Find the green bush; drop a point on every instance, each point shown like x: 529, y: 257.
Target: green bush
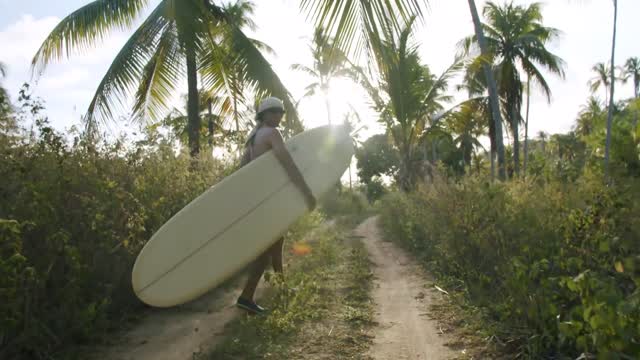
x: 374, y: 190
x: 343, y: 202
x: 73, y: 217
x: 556, y: 265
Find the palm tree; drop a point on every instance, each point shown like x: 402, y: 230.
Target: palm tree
x: 328, y: 63
x: 543, y: 137
x: 190, y: 34
x: 230, y: 81
x: 631, y: 70
x: 468, y: 124
x: 223, y: 74
x: 408, y: 96
x: 588, y: 117
x: 611, y: 95
x: 3, y: 73
x: 212, y: 125
x: 516, y: 38
x: 5, y: 106
x: 493, y: 94
x: 476, y: 87
x: 526, y: 128
x: 601, y: 78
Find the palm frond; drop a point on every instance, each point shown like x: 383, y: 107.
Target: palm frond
x: 601, y: 79
x: 160, y: 77
x: 353, y: 22
x: 361, y: 78
x: 549, y: 61
x: 86, y: 27
x: 537, y: 78
x: 258, y: 73
x: 311, y: 89
x: 344, y: 73
x: 305, y: 69
x: 441, y: 83
x: 127, y: 67
x: 263, y: 47
x: 239, y: 13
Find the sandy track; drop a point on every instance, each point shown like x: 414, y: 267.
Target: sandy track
x: 402, y: 297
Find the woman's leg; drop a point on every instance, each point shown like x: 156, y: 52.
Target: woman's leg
x: 257, y: 269
x: 276, y: 256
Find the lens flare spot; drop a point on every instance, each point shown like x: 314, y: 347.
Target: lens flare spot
x: 301, y: 249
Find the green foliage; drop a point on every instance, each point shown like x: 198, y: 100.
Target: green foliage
x: 73, y: 216
x: 207, y: 37
x: 377, y: 157
x: 330, y: 285
x: 5, y: 101
x: 407, y: 96
x: 517, y: 46
x: 556, y: 265
x: 341, y: 201
x: 469, y: 123
x: 374, y: 190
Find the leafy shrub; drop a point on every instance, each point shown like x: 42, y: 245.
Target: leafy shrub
x: 73, y: 217
x: 374, y: 190
x: 343, y: 202
x: 556, y: 265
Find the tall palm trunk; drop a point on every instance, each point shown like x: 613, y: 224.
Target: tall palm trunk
x: 515, y: 119
x: 405, y: 173
x: 434, y: 154
x: 209, y: 105
x: 613, y: 81
x: 526, y: 129
x: 237, y: 121
x: 193, y: 115
x: 493, y: 91
x: 636, y: 85
x: 493, y: 163
x: 635, y: 120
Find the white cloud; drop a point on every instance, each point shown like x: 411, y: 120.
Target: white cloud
x: 71, y: 77
x: 67, y: 85
x: 21, y: 40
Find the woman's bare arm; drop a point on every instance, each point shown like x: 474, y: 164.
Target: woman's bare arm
x: 284, y: 157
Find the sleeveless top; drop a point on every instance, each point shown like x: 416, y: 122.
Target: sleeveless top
x: 248, y: 155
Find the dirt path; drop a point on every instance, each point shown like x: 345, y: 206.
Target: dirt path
x: 177, y: 333
x: 402, y: 297
x: 180, y: 332
x: 401, y: 293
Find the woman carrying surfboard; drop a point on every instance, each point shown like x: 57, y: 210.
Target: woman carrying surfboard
x: 266, y: 137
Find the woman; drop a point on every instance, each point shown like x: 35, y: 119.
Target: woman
x: 266, y: 137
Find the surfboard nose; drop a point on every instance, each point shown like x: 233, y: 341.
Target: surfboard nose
x: 340, y: 132
x: 339, y: 135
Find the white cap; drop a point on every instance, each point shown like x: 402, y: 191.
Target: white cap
x: 270, y: 103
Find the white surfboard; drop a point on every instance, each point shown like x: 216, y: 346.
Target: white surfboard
x: 235, y: 221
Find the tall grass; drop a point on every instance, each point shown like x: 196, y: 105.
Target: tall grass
x: 73, y: 216
x: 555, y: 265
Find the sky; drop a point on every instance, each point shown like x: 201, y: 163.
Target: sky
x: 68, y: 85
